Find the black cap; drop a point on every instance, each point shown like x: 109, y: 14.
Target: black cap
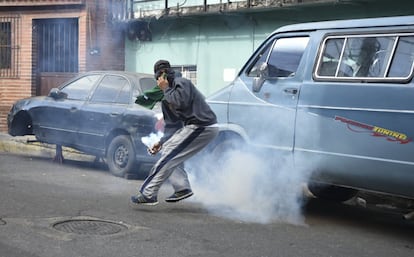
x: 161, y: 65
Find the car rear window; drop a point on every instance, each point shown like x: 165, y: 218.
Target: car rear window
x: 366, y: 57
x: 147, y: 83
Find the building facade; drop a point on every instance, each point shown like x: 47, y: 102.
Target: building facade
x: 45, y: 42
x: 210, y: 40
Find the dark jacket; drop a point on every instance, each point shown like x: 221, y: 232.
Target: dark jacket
x: 183, y: 105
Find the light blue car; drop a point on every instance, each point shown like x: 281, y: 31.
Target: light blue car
x: 337, y: 97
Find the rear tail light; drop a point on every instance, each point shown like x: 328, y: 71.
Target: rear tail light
x: 159, y: 124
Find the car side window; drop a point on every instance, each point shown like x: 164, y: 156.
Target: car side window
x: 80, y: 89
x: 112, y: 89
x: 371, y: 57
x: 284, y: 57
x: 403, y: 60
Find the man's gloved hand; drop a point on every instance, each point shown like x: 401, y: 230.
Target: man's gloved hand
x: 155, y: 148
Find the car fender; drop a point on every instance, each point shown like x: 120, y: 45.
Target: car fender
x: 230, y: 129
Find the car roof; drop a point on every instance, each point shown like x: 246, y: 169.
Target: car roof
x: 133, y: 76
x: 350, y: 23
x: 127, y: 73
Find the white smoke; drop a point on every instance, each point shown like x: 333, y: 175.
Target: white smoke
x: 151, y: 139
x: 246, y: 185
x: 249, y: 187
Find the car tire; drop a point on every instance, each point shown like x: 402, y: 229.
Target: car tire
x: 121, y: 156
x: 331, y: 192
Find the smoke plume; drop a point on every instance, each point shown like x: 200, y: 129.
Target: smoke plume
x: 151, y: 139
x: 249, y: 187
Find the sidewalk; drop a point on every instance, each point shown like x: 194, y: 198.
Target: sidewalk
x: 28, y: 145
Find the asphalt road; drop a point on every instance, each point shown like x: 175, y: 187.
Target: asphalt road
x: 77, y: 209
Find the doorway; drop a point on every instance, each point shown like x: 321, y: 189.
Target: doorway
x: 55, y: 52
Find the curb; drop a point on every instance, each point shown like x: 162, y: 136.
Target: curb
x: 27, y: 145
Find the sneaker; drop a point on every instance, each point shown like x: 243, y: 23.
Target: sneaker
x: 177, y: 196
x: 142, y: 200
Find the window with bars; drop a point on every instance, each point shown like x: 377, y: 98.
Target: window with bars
x: 57, y: 44
x: 187, y: 71
x: 9, y: 47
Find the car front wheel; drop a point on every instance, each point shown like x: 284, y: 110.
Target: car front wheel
x: 120, y: 156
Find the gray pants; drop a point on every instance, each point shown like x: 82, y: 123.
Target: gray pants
x: 185, y: 143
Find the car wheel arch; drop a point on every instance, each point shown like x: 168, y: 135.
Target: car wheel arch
x: 22, y: 124
x: 225, y: 141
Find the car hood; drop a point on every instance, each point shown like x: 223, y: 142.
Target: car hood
x: 27, y: 103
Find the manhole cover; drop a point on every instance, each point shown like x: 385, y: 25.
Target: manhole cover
x: 89, y: 227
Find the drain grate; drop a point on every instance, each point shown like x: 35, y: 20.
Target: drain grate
x: 89, y: 227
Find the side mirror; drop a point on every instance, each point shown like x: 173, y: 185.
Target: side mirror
x: 258, y: 81
x: 56, y: 94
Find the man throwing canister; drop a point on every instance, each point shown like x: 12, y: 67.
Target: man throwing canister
x: 190, y: 125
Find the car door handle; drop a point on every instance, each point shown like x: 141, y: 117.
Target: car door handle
x: 114, y: 113
x: 73, y: 109
x: 292, y: 91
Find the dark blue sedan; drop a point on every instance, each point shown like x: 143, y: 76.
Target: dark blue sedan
x: 94, y: 113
